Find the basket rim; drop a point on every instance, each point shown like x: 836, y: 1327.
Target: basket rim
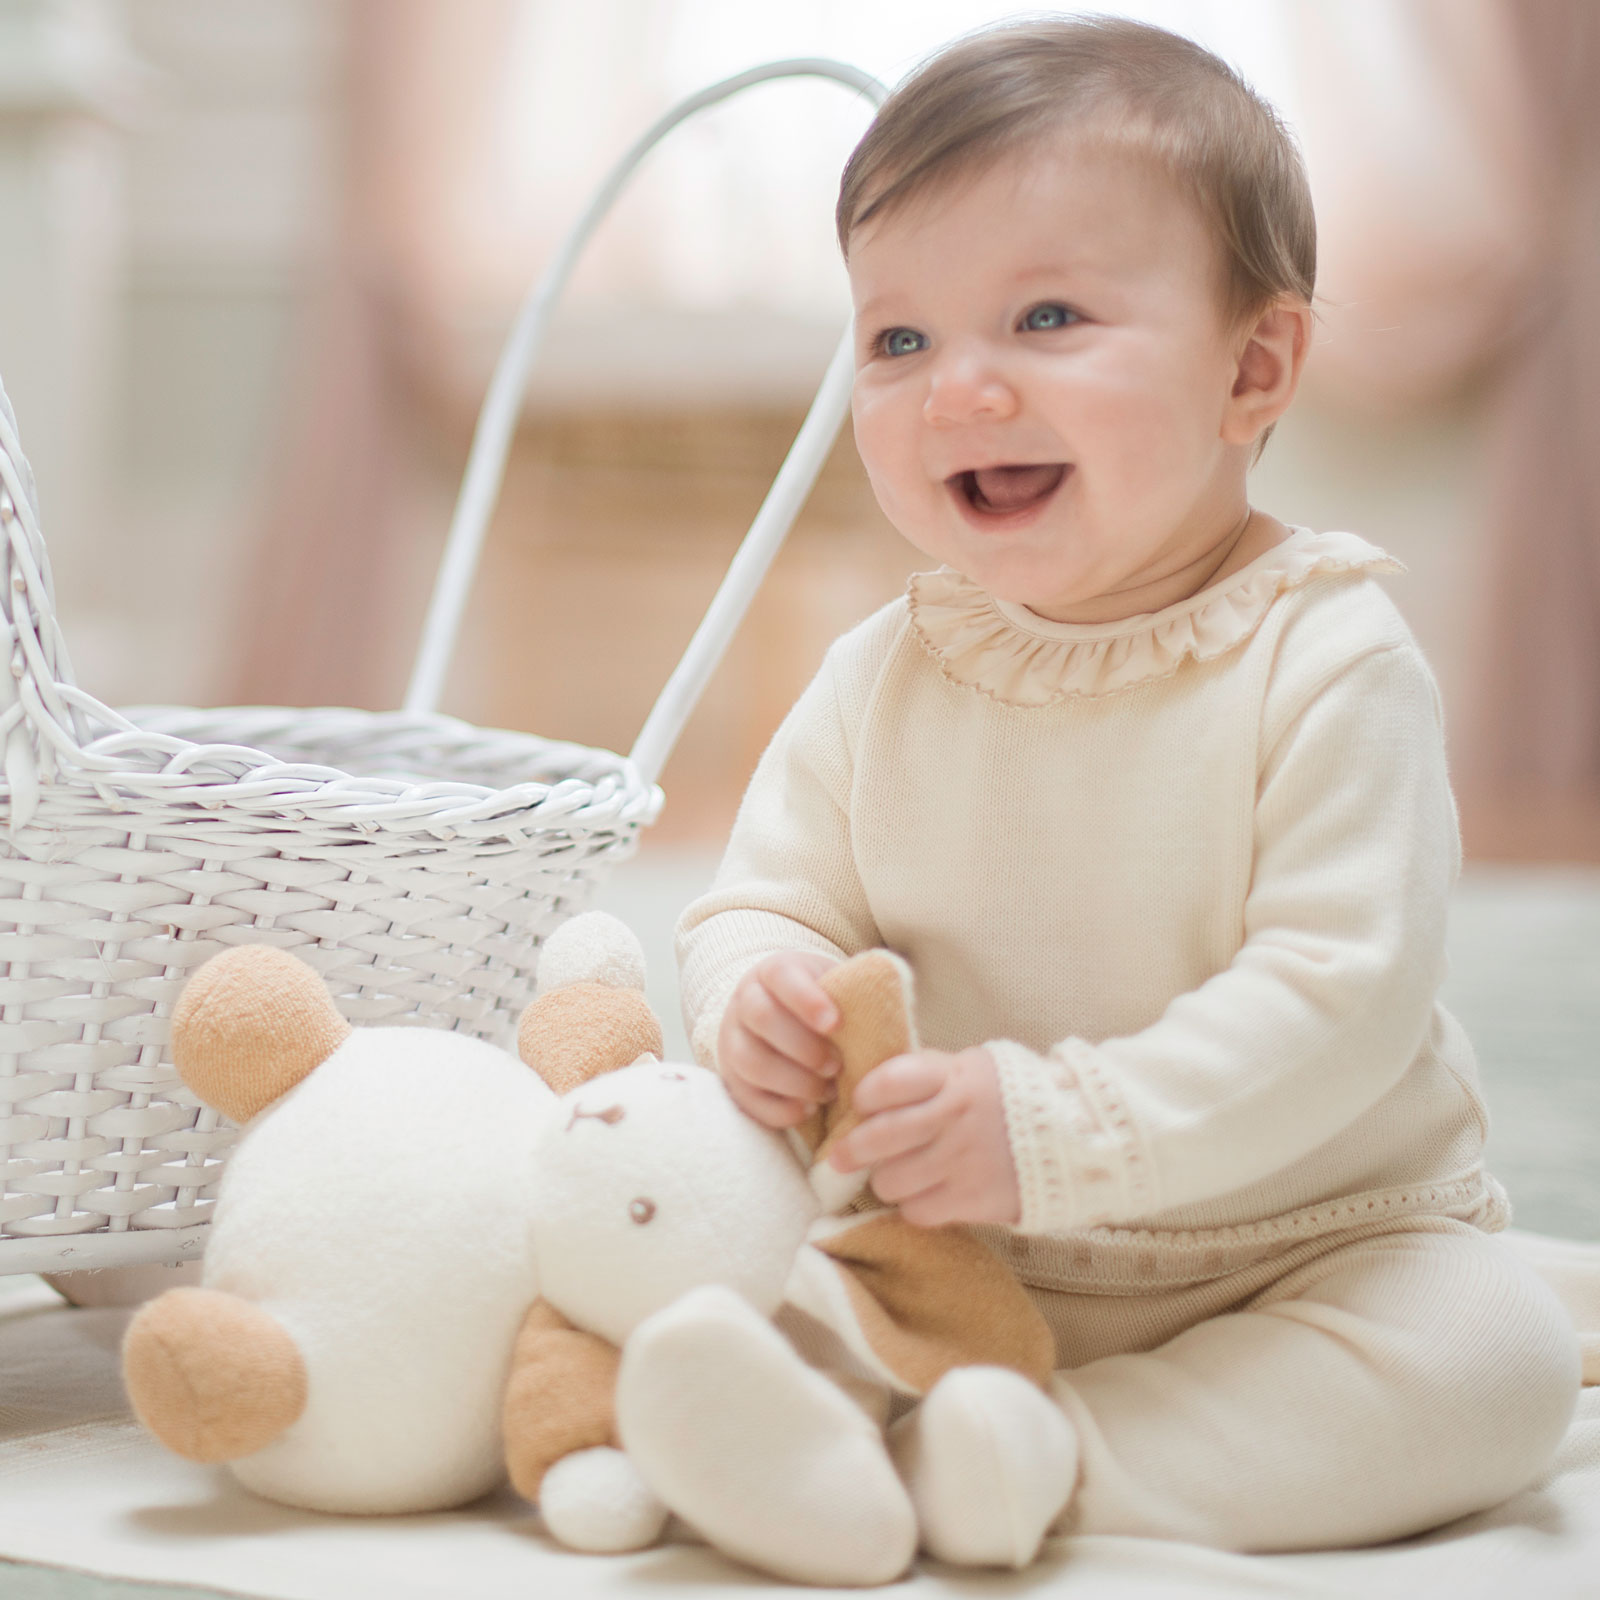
x: 157, y: 762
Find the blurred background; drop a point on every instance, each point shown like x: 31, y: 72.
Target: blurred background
x: 256, y: 257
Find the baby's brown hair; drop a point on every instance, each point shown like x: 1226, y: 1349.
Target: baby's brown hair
x: 1121, y: 83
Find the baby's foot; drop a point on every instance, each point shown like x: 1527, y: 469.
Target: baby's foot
x: 760, y: 1453
x: 990, y: 1463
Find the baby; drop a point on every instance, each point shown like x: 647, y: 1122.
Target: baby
x: 1150, y: 791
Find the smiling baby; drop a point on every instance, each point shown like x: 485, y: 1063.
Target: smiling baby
x: 1149, y: 789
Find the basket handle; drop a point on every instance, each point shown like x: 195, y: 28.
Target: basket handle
x: 40, y: 720
x: 491, y: 441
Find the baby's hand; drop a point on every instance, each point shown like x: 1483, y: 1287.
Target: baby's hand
x: 934, y: 1134
x: 773, y: 1047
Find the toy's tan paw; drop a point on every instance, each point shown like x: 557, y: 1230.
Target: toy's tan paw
x: 212, y: 1376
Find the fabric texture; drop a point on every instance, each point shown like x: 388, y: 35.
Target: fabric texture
x: 1379, y: 1388
x: 559, y: 1396
x: 926, y: 1300
x: 251, y: 1024
x: 572, y: 1034
x: 1186, y: 876
x: 214, y: 1377
x: 1199, y: 920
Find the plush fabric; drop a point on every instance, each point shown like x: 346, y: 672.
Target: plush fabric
x: 988, y: 1462
x: 249, y: 1025
x: 559, y: 1396
x: 572, y: 1034
x: 669, y: 1223
x: 875, y: 1001
x: 929, y: 1299
x: 768, y: 1459
x: 649, y: 1182
x: 213, y: 1376
x: 386, y: 1230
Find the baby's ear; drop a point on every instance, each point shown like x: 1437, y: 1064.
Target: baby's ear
x: 590, y: 1015
x: 249, y: 1025
x: 874, y: 995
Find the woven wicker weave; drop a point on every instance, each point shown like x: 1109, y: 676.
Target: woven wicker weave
x: 418, y: 876
x: 415, y: 861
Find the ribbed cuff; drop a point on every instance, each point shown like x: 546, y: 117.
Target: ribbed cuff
x: 707, y: 1024
x: 1079, y: 1161
x: 715, y: 953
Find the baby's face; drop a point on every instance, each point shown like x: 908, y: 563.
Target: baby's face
x: 1043, y: 374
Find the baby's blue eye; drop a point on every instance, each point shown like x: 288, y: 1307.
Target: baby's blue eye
x: 903, y: 342
x: 1043, y: 318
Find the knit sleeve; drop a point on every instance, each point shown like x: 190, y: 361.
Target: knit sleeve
x: 1321, y: 1011
x: 788, y: 879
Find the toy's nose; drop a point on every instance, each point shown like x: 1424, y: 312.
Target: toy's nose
x: 611, y: 1115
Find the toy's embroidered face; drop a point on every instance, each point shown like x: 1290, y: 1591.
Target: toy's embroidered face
x: 676, y: 1189
x: 613, y: 1114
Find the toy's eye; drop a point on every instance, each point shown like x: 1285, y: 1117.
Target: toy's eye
x: 641, y: 1210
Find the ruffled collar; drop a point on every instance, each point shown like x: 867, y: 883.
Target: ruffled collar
x: 1006, y: 652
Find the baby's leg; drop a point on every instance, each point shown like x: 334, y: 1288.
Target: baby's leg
x: 1389, y: 1386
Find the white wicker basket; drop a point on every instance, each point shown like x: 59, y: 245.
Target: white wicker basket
x: 415, y: 861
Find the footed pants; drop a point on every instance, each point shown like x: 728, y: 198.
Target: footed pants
x: 1349, y: 1391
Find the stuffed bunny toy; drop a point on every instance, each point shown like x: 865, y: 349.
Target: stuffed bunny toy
x: 431, y: 1266
x: 671, y: 1230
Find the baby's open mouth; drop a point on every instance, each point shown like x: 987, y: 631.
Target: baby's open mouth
x: 995, y: 491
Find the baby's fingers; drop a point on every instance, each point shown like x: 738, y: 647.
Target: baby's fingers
x: 901, y: 1081
x: 886, y: 1136
x: 791, y: 980
x: 752, y: 1060
x: 766, y: 1017
x: 770, y: 1110
x: 906, y: 1178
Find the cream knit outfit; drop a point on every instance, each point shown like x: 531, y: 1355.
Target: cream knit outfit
x: 1186, y: 875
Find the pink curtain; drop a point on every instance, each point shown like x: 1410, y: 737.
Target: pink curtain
x: 329, y: 609
x: 1534, y: 732
x: 1462, y: 222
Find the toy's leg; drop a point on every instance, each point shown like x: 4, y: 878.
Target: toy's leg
x: 212, y: 1376
x: 595, y: 1500
x: 990, y: 1462
x: 560, y: 1431
x: 757, y: 1451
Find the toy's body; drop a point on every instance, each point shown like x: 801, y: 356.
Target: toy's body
x: 384, y: 1224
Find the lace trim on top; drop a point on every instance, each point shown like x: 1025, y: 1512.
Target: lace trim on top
x: 1008, y: 653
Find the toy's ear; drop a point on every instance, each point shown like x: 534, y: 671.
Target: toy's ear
x: 591, y: 1015
x: 873, y: 994
x: 249, y: 1025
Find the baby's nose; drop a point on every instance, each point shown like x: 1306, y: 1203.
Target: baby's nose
x: 963, y: 389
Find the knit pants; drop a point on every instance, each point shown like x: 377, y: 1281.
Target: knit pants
x: 1381, y: 1385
